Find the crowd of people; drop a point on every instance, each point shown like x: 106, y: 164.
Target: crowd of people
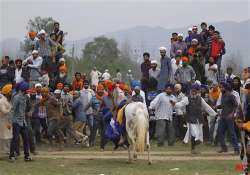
x: 187, y: 95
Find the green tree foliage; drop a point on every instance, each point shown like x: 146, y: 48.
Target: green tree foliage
x: 35, y: 25
x: 40, y: 23
x: 104, y: 54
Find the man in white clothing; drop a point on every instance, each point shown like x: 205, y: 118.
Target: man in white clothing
x: 94, y: 75
x: 164, y: 115
x: 34, y: 62
x: 229, y: 75
x: 211, y: 72
x: 18, y: 71
x: 154, y: 71
x: 106, y: 75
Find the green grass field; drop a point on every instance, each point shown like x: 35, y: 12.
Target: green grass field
x: 76, y: 161
x: 115, y: 167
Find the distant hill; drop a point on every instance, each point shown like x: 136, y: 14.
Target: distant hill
x: 143, y: 38
x: 10, y: 47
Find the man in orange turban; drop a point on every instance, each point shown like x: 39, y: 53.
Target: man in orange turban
x: 7, y: 89
x: 77, y: 84
x: 32, y: 35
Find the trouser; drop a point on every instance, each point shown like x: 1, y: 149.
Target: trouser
x: 100, y: 125
x: 66, y: 124
x: 43, y: 123
x: 152, y: 127
x: 224, y: 125
x: 163, y: 128
x: 31, y: 137
x: 5, y: 145
x: 205, y: 128
x: 178, y: 122
x: 49, y: 66
x: 17, y: 130
x: 90, y: 123
x: 79, y: 126
x: 212, y: 130
x: 218, y: 62
x: 54, y: 129
x: 36, y: 125
x: 193, y: 143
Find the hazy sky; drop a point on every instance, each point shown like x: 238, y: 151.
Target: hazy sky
x: 89, y: 18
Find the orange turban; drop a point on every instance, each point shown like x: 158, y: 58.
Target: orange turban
x: 121, y: 86
x: 63, y: 69
x: 184, y: 59
x: 6, y: 89
x: 108, y: 83
x: 100, y: 87
x: 126, y: 88
x: 214, y: 93
x: 45, y: 90
x: 32, y: 34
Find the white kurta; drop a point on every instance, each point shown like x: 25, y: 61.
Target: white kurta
x: 95, y: 77
x: 5, y: 108
x: 196, y: 130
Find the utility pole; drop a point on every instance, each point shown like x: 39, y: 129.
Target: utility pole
x: 73, y: 58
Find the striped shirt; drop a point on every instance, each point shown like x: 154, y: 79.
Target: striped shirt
x: 163, y: 107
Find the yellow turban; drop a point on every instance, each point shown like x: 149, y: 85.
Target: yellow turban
x: 6, y: 89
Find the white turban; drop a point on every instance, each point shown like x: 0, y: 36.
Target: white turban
x: 41, y: 32
x: 153, y: 62
x: 34, y: 52
x: 195, y: 40
x: 163, y: 48
x: 197, y: 82
x: 57, y: 91
x: 177, y: 86
x: 180, y: 34
x: 61, y: 59
x: 38, y: 85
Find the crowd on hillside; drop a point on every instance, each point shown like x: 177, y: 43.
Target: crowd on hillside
x: 187, y: 95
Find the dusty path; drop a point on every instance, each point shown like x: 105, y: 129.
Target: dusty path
x: 157, y: 156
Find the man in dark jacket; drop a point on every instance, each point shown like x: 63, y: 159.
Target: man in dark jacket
x: 7, y: 74
x: 228, y: 106
x: 145, y: 66
x: 19, y: 123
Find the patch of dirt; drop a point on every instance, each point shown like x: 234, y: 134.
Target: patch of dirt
x: 158, y: 156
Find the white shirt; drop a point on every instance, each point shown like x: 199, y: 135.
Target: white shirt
x: 18, y: 77
x: 95, y: 77
x: 36, y: 67
x: 211, y: 75
x: 106, y: 76
x: 154, y: 73
x: 163, y: 107
x: 182, y: 109
x: 119, y: 76
x: 232, y: 76
x: 175, y: 66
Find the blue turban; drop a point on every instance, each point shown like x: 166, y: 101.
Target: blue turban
x: 169, y: 85
x: 204, y: 86
x: 24, y: 86
x: 135, y: 83
x: 195, y: 87
x: 226, y: 85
